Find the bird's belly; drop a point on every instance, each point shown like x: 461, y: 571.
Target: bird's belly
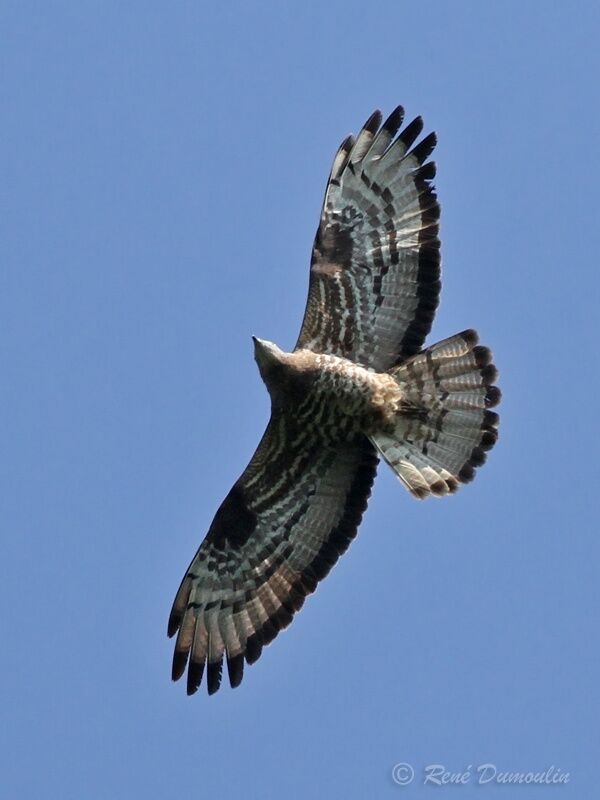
x: 351, y: 397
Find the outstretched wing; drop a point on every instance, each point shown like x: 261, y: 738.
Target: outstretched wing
x: 278, y: 532
x: 375, y: 269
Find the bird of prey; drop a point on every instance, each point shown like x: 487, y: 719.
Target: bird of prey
x: 356, y: 387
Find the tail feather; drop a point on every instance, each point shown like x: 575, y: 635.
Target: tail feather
x: 444, y: 428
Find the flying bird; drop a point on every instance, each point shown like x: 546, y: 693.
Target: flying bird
x: 357, y: 386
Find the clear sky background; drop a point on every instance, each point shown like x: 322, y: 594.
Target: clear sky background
x: 163, y: 166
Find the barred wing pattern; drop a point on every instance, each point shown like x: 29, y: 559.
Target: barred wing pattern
x: 375, y: 270
x: 279, y: 531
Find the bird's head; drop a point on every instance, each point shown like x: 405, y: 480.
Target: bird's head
x: 270, y: 360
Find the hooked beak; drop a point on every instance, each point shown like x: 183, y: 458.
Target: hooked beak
x: 265, y: 353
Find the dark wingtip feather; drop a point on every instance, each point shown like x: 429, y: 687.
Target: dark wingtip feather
x: 428, y: 171
x: 347, y: 144
x: 179, y: 662
x: 253, y: 648
x: 179, y: 604
x: 373, y: 123
x: 194, y: 676
x: 340, y: 161
x: 393, y: 122
x: 268, y: 631
x: 410, y: 133
x: 235, y: 669
x: 174, y: 623
x: 425, y: 148
x: 214, y: 672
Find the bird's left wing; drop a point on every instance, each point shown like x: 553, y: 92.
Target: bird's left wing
x: 375, y: 269
x: 278, y: 532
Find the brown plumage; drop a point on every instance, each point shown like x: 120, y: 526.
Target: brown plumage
x: 357, y: 385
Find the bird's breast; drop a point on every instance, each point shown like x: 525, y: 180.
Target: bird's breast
x: 326, y: 387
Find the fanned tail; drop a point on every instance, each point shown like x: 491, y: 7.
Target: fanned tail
x: 444, y: 426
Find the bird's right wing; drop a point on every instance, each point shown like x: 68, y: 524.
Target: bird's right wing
x: 375, y: 269
x: 278, y: 532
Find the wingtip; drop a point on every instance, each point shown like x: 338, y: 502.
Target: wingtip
x: 173, y: 625
x: 411, y: 132
x: 214, y: 673
x: 393, y: 122
x: 194, y: 677
x: 179, y: 664
x: 374, y: 121
x: 424, y: 149
x: 347, y: 143
x: 235, y: 669
x: 254, y: 648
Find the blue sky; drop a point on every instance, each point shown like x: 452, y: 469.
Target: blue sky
x: 162, y: 172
